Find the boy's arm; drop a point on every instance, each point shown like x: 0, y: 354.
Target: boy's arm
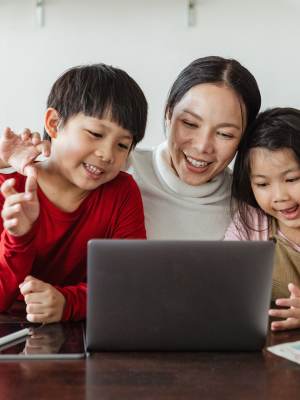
x: 16, y: 258
x: 76, y: 297
x: 17, y: 252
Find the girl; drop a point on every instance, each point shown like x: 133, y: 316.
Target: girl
x: 266, y: 192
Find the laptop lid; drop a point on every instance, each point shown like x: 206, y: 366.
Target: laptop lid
x: 178, y: 295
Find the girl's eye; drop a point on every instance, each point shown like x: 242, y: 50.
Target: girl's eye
x: 189, y: 124
x: 225, y: 135
x: 124, y: 146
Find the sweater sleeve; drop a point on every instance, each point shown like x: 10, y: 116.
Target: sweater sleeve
x: 16, y: 258
x: 76, y: 298
x: 131, y: 221
x: 257, y: 231
x: 233, y: 232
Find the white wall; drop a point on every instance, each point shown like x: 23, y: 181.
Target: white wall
x: 151, y: 40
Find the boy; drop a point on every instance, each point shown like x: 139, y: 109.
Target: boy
x: 95, y: 115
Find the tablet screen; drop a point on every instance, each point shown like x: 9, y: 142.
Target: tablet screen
x: 60, y: 340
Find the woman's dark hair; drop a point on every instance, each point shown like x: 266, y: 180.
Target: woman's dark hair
x: 217, y: 70
x: 100, y: 91
x: 274, y: 129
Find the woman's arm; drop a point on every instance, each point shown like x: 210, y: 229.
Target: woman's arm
x: 20, y: 151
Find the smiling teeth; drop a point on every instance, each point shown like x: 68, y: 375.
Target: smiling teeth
x: 196, y: 163
x: 91, y: 168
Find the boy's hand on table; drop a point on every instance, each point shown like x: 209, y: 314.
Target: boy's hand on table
x: 19, y: 151
x: 20, y: 210
x: 44, y: 303
x: 291, y: 314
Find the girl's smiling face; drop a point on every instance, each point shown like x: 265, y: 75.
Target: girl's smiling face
x: 275, y: 181
x: 204, y: 131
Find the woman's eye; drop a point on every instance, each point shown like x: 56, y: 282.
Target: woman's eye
x: 189, y: 124
x: 261, y: 184
x: 225, y: 135
x: 293, y: 179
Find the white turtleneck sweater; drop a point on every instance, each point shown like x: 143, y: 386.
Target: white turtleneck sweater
x: 174, y: 209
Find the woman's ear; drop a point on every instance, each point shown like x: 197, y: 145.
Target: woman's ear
x: 168, y: 120
x: 51, y: 122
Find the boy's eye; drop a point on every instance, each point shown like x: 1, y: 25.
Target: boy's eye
x: 95, y: 134
x: 189, y: 124
x: 225, y: 135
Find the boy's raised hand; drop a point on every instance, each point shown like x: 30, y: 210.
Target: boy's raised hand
x: 44, y: 303
x: 291, y: 314
x: 19, y: 151
x: 20, y: 210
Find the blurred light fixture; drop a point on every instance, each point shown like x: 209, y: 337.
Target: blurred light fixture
x: 191, y: 12
x: 40, y: 12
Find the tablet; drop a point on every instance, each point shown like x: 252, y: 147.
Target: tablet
x: 52, y: 341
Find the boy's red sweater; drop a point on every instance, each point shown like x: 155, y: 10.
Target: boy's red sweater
x: 55, y: 250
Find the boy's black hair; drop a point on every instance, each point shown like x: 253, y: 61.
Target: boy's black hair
x: 100, y: 91
x: 274, y: 129
x: 217, y: 70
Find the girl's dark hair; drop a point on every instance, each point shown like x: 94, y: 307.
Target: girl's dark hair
x: 100, y: 91
x: 274, y: 129
x: 217, y: 70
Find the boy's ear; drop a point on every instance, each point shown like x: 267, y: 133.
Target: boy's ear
x: 51, y: 122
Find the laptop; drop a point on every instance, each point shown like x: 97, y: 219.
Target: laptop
x: 178, y: 295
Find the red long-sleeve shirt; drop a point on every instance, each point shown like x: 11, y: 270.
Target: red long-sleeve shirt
x: 55, y: 249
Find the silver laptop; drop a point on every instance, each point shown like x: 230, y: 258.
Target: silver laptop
x: 178, y: 295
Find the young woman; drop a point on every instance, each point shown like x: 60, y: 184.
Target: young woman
x: 266, y: 192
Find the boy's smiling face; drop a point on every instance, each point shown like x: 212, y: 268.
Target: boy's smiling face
x: 88, y: 151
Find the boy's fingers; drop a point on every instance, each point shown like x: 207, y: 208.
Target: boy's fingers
x: 7, y: 187
x: 30, y: 170
x: 36, y: 318
x: 30, y: 185
x: 33, y: 285
x: 17, y: 198
x: 10, y: 212
x: 10, y: 223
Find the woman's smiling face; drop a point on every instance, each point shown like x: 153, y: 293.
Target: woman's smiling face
x: 204, y: 131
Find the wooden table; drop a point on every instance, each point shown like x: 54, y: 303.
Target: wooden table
x: 244, y: 376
